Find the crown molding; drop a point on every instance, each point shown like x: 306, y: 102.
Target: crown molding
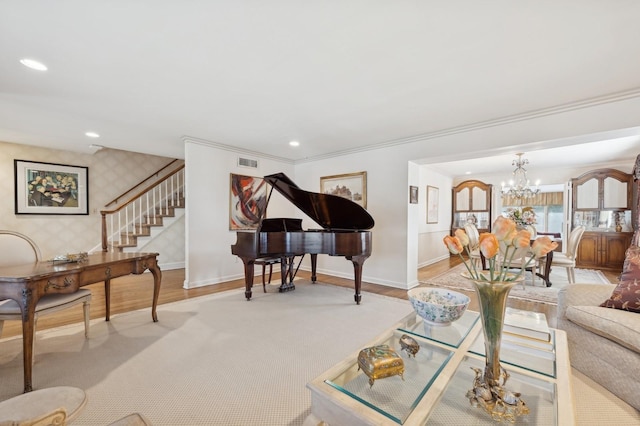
x: 529, y: 115
x: 235, y: 149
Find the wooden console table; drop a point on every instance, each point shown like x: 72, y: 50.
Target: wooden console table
x: 26, y: 284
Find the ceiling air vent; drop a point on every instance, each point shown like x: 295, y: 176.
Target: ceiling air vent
x: 247, y: 162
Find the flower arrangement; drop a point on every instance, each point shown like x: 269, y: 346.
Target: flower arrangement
x: 505, y: 240
x: 492, y: 288
x: 522, y: 217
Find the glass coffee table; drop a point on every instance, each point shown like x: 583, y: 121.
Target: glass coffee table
x: 433, y: 387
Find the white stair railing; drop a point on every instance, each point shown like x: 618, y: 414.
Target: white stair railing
x: 134, y: 217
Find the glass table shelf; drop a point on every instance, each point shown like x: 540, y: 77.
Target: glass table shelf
x: 395, y: 397
x: 434, y: 385
x: 539, y: 395
x: 450, y: 335
x: 535, y: 360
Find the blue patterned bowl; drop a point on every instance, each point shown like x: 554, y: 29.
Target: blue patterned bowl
x: 438, y: 306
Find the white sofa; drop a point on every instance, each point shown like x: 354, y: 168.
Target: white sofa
x: 604, y: 343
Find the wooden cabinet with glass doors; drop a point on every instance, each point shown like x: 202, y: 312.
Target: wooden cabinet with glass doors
x: 471, y: 203
x: 602, y: 202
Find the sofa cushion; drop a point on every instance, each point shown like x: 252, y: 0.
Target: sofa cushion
x: 620, y: 326
x: 626, y: 295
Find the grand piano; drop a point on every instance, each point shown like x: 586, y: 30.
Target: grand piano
x: 344, y: 232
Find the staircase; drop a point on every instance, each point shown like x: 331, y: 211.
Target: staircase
x: 135, y: 218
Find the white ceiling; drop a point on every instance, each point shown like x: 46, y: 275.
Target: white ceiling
x: 334, y: 75
x: 592, y: 154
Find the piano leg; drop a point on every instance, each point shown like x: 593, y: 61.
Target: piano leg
x: 358, y: 261
x: 248, y: 276
x: 314, y: 262
x: 286, y: 272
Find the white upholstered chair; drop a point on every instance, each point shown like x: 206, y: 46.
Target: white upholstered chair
x: 58, y: 405
x: 18, y: 249
x: 567, y: 259
x: 474, y: 240
x: 534, y: 232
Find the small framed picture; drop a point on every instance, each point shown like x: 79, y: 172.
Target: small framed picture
x: 48, y: 188
x: 432, y: 204
x: 413, y: 194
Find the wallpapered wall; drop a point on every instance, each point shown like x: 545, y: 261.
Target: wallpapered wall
x: 111, y: 172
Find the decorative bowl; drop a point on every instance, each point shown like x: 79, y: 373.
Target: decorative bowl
x: 438, y: 306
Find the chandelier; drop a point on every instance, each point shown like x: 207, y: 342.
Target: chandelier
x: 518, y: 186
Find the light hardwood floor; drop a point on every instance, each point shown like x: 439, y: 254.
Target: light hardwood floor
x: 135, y: 292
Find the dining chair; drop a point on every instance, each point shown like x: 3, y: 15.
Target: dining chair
x: 567, y: 259
x: 533, y: 231
x: 521, y: 258
x: 18, y: 249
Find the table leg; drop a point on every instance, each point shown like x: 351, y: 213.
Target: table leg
x: 547, y: 268
x: 28, y: 307
x: 157, y: 279
x: 107, y: 298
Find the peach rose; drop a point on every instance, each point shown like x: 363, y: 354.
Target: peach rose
x: 522, y: 239
x: 453, y: 244
x: 489, y: 245
x: 543, y: 245
x: 462, y: 236
x: 503, y: 227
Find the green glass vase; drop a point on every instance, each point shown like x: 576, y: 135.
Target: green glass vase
x: 492, y: 298
x: 488, y: 387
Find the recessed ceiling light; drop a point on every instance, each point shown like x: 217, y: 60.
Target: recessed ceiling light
x: 467, y: 173
x: 294, y: 143
x: 92, y: 135
x: 33, y: 64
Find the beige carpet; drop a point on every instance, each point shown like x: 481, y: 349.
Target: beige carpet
x: 538, y: 292
x: 211, y: 360
x: 220, y: 360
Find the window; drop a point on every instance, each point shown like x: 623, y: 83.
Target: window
x: 548, y: 209
x: 548, y: 218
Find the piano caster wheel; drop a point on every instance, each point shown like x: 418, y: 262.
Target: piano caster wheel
x: 286, y: 287
x: 357, y: 298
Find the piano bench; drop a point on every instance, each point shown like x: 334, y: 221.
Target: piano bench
x: 267, y: 261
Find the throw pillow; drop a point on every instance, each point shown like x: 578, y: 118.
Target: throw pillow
x: 626, y: 295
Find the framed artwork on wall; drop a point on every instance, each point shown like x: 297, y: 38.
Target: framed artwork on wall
x: 352, y: 186
x: 248, y: 201
x: 413, y: 194
x: 432, y: 204
x: 48, y: 188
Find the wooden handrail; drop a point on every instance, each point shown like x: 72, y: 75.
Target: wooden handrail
x: 156, y: 173
x: 141, y: 193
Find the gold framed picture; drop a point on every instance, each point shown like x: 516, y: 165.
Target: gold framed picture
x: 352, y: 186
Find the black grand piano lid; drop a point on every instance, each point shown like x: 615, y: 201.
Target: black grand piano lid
x: 329, y: 211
